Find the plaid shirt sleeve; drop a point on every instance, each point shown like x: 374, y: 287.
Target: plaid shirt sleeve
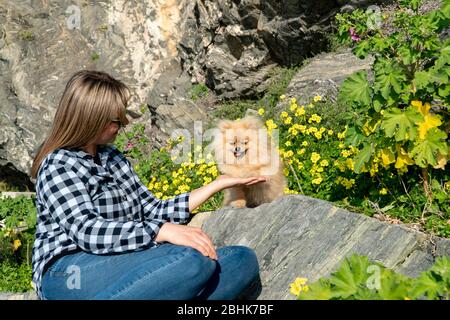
x: 175, y: 210
x: 70, y: 205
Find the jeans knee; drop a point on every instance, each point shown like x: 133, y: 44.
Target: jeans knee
x: 246, y: 258
x: 198, y: 265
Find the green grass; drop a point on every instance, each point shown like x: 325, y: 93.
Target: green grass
x: 15, y: 277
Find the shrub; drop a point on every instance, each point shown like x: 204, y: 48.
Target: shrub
x: 359, y: 279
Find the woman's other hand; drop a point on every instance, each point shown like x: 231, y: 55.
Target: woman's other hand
x: 187, y: 236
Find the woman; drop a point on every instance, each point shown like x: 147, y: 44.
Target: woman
x: 101, y: 234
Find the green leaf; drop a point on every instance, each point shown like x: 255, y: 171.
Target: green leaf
x: 350, y: 276
x: 353, y: 136
x: 425, y: 151
x: 363, y: 157
x: 319, y: 290
x: 393, y: 286
x: 388, y: 82
x: 442, y: 267
x: 428, y: 285
x: 356, y: 89
x: 421, y: 79
x: 362, y: 49
x: 400, y: 123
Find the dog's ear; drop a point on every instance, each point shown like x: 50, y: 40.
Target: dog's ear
x: 224, y: 124
x: 252, y: 123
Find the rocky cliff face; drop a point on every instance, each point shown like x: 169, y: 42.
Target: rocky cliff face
x: 298, y: 236
x: 159, y: 48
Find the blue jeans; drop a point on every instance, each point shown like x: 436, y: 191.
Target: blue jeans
x: 165, y: 272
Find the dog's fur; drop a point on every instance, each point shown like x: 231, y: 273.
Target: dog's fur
x: 258, y: 157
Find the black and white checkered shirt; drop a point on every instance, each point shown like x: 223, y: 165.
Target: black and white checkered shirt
x: 95, y: 208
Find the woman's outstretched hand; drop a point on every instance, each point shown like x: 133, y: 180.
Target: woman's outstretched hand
x: 228, y: 182
x: 187, y: 236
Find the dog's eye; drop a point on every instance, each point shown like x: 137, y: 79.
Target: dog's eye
x: 244, y: 142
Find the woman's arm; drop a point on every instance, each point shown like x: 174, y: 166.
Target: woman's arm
x: 201, y: 195
x: 195, y: 237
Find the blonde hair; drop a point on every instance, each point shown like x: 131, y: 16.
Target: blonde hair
x: 91, y: 99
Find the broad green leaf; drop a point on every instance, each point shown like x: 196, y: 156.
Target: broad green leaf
x: 401, y: 123
x: 353, y: 136
x: 393, y: 286
x: 362, y: 49
x: 428, y: 285
x: 352, y: 273
x: 363, y: 157
x: 388, y: 82
x: 378, y: 102
x: 356, y: 89
x: 405, y: 55
x: 421, y: 79
x: 425, y: 151
x: 442, y: 267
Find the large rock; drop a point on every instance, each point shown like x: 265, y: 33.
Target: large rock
x: 298, y: 236
x: 233, y: 45
x: 323, y: 75
x: 42, y: 45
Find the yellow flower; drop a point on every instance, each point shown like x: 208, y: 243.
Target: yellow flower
x: 288, y: 143
x: 422, y: 108
x: 324, y: 163
x: 347, y: 183
x: 293, y: 131
x: 346, y: 153
x: 315, y: 157
x: 317, y: 180
x: 387, y: 157
x: 350, y: 164
x: 298, y: 286
x: 330, y: 132
x: 318, y: 135
x: 284, y: 114
x: 315, y: 118
x: 317, y: 98
x: 289, y: 153
x: 261, y: 111
x: 293, y: 100
x: 300, y: 111
x: 293, y: 107
x: 270, y: 125
x: 17, y: 244
x: 383, y: 191
x: 430, y: 121
x: 301, y: 151
x: 282, y: 97
x: 305, y: 143
x: 288, y: 120
x: 403, y: 159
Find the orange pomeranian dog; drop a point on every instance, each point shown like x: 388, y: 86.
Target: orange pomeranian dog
x: 244, y: 149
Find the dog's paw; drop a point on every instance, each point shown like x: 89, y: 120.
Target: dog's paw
x: 238, y: 203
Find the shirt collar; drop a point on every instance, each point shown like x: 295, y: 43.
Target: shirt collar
x: 102, y: 151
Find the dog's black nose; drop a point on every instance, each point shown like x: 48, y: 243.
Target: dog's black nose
x: 237, y: 149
